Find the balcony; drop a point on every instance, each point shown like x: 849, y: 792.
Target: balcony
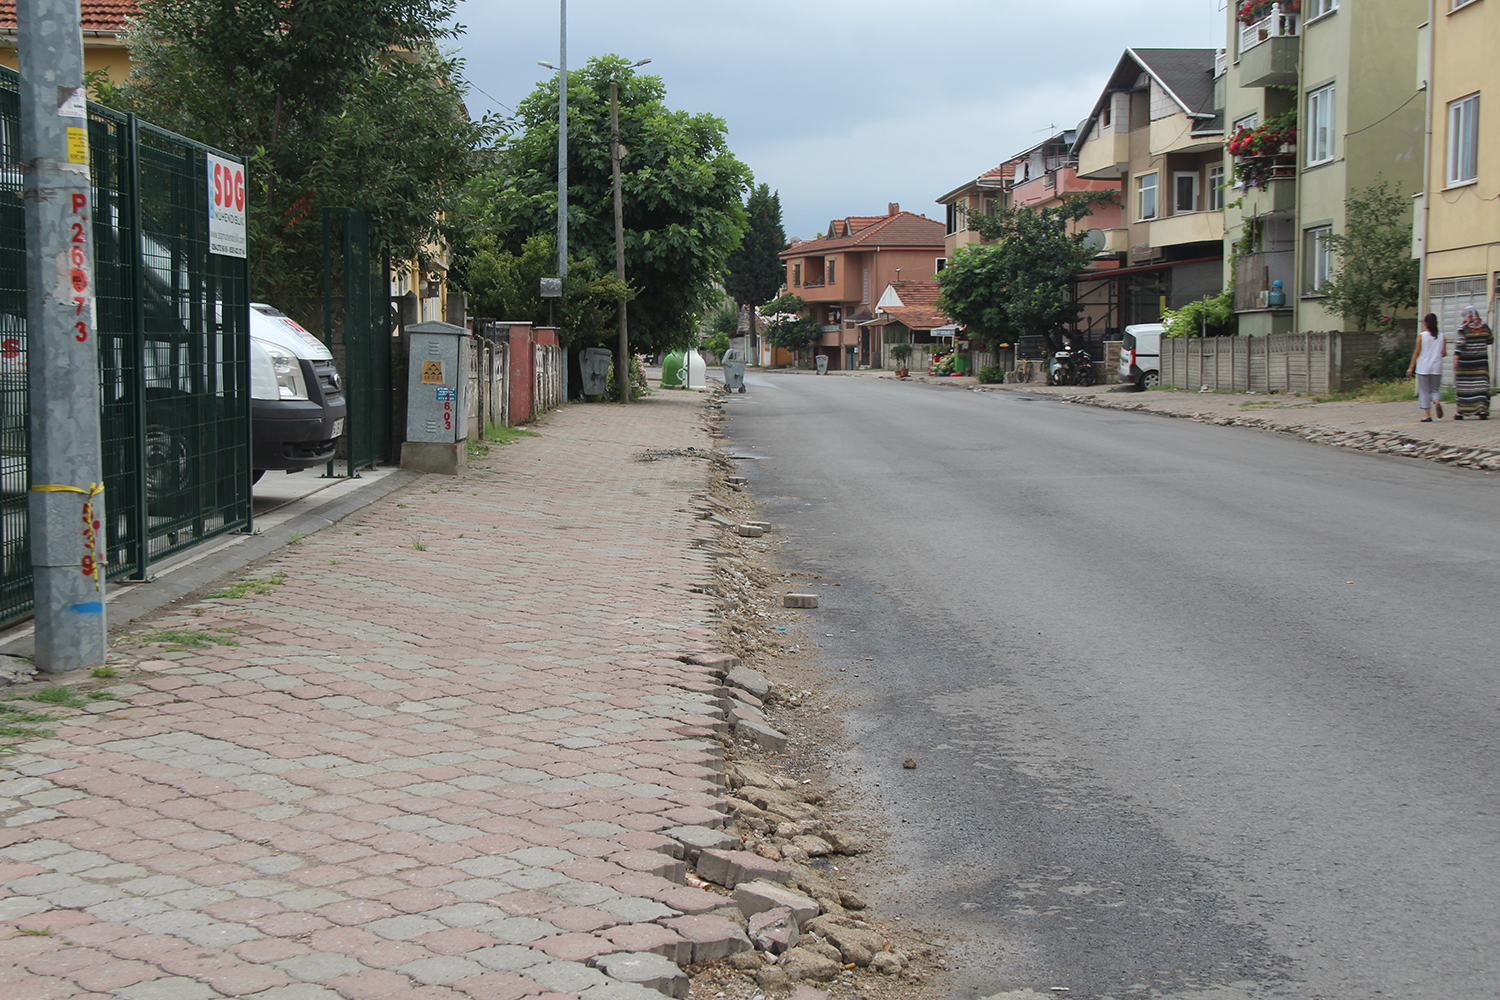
x: 1253, y: 275
x: 1190, y: 227
x: 1105, y: 157
x: 1268, y: 51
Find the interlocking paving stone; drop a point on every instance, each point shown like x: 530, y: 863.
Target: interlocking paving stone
x: 412, y: 760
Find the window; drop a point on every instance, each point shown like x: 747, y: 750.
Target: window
x: 1184, y: 193
x: 830, y: 269
x: 1317, y: 8
x: 864, y: 288
x: 796, y: 275
x: 1216, y: 188
x: 939, y: 264
x: 835, y: 314
x: 1463, y: 140
x: 1460, y: 3
x: 1317, y: 259
x: 1145, y: 187
x: 989, y: 206
x: 1319, y: 130
x: 955, y: 218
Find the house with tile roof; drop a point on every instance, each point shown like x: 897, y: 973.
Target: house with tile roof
x: 836, y: 274
x: 1157, y: 129
x: 907, y: 313
x: 103, y: 21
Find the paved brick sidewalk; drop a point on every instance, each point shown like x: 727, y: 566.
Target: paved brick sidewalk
x: 438, y: 764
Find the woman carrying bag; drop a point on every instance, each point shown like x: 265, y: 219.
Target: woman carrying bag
x: 1471, y: 366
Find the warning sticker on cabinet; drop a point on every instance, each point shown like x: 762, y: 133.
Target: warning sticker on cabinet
x: 432, y: 373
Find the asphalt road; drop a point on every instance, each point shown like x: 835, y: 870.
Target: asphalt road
x: 1198, y: 711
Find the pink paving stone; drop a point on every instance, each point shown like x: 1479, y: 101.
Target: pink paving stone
x: 61, y: 961
x: 219, y: 874
x: 269, y: 949
x: 418, y: 900
x: 580, y: 918
x: 336, y: 853
x: 690, y: 901
x: 18, y: 869
x: 494, y: 843
x: 652, y: 938
x: 241, y: 979
x: 497, y: 986
x: 574, y: 947
x: 383, y: 864
x: 343, y: 940
x: 237, y: 852
x: 454, y: 941
x: 652, y: 863
x: 528, y: 903
x: 431, y: 876
x: 355, y: 912
x: 443, y: 854
x: 143, y: 947
x: 370, y: 984
x: 389, y: 954
x: 58, y: 920
x: 102, y: 977
x: 97, y: 935
x: 590, y: 869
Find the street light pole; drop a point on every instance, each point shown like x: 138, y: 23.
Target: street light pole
x: 562, y: 140
x: 616, y: 151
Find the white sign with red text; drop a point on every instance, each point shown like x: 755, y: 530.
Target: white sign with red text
x: 226, y: 207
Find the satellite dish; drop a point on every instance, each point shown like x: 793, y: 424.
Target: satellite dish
x: 1094, y: 239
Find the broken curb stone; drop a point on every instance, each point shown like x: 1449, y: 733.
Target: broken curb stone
x: 645, y: 969
x: 711, y: 937
x: 760, y: 896
x: 743, y: 677
x: 730, y: 868
x: 800, y: 601
x: 774, y: 930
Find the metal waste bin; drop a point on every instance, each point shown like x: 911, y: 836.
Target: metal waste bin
x: 822, y: 364
x: 593, y: 368
x: 734, y: 371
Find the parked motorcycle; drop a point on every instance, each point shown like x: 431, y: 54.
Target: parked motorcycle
x: 1072, y: 366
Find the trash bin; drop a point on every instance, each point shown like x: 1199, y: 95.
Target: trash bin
x: 734, y: 376
x: 673, y: 370
x: 822, y: 363
x: 593, y: 367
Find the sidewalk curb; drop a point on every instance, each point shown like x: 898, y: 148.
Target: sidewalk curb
x: 1377, y: 441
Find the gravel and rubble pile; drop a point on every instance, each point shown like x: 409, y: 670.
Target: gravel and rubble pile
x: 796, y: 855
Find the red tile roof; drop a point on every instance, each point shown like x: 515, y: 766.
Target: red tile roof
x: 97, y: 15
x: 904, y: 229
x: 918, y: 309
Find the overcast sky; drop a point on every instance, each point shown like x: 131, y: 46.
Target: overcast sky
x: 846, y: 105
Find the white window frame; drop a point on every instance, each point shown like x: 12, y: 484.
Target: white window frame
x: 1321, y: 121
x: 1463, y: 141
x: 1177, y: 176
x: 1318, y: 268
x: 1216, y: 187
x: 1140, y: 196
x: 939, y: 264
x: 1314, y: 9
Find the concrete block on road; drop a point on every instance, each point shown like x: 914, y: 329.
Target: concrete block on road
x: 800, y: 601
x: 760, y: 896
x: 774, y: 930
x: 748, y: 531
x: 747, y: 679
x: 711, y: 937
x: 731, y: 868
x: 696, y: 839
x: 761, y: 734
x: 645, y: 969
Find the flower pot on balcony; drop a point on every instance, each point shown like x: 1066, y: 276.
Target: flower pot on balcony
x: 1295, y: 6
x: 1264, y: 34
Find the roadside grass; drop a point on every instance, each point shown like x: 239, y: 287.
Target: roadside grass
x: 183, y: 640
x: 1397, y: 390
x: 497, y: 434
x: 250, y: 585
x: 56, y: 694
x: 18, y: 724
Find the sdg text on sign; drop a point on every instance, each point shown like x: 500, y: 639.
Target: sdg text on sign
x: 226, y: 207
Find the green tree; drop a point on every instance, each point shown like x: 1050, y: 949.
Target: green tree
x: 504, y: 285
x: 336, y: 102
x: 755, y: 272
x: 1375, y: 277
x: 790, y: 329
x: 1021, y: 283
x: 683, y: 192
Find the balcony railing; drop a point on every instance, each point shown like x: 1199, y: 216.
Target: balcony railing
x: 1221, y: 63
x: 1277, y: 24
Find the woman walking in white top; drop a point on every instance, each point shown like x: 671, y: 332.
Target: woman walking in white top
x: 1427, y: 363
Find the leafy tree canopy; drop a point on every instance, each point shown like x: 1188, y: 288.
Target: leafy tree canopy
x: 1022, y: 283
x: 789, y: 329
x: 682, y: 194
x: 336, y: 102
x: 755, y: 269
x: 1375, y: 277
x: 504, y: 285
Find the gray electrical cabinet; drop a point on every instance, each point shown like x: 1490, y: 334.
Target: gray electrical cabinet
x: 437, y: 405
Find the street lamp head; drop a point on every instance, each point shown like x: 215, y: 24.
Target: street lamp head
x: 640, y: 64
x: 546, y: 65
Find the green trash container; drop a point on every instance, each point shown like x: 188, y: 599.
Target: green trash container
x: 960, y: 363
x: 674, y: 370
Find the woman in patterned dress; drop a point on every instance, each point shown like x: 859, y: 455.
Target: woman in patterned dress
x: 1471, y: 366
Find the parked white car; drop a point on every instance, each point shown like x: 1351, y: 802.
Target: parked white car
x: 1140, y: 354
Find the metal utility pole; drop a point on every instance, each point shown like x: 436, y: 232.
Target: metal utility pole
x: 562, y: 141
x: 66, y: 505
x: 622, y: 364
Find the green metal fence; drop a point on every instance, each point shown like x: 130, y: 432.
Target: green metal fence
x: 173, y: 334
x: 357, y: 328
